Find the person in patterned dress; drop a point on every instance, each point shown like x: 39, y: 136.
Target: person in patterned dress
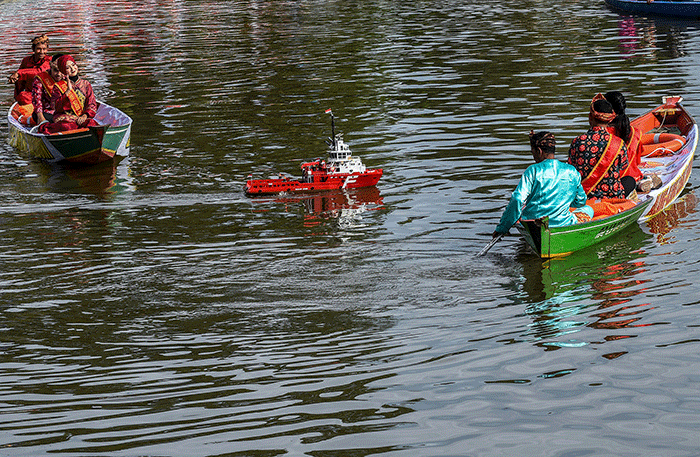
x: 600, y: 157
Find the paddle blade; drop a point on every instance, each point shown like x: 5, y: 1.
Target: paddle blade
x: 490, y: 245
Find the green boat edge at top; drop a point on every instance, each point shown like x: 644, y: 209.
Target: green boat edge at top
x: 550, y: 242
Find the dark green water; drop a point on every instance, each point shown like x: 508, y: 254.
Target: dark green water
x: 151, y: 308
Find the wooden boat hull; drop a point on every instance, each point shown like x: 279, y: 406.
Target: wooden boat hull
x: 688, y: 9
x: 332, y: 182
x: 86, y: 146
x: 550, y: 242
x: 674, y: 168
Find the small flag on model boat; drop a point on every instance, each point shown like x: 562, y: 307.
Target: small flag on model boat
x: 328, y: 110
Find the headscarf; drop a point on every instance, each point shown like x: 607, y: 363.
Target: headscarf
x: 62, y: 61
x: 41, y: 39
x: 602, y: 117
x: 545, y: 142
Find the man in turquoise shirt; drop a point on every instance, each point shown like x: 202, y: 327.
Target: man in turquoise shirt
x: 547, y: 188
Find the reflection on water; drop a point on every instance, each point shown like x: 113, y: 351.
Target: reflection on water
x: 102, y: 180
x: 596, y: 288
x: 629, y: 41
x: 589, y: 288
x: 345, y: 206
x: 672, y: 217
x: 653, y: 35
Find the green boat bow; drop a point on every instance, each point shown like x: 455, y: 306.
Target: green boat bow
x: 549, y: 241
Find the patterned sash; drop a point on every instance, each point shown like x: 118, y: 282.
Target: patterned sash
x: 47, y: 82
x: 75, y: 97
x: 612, y: 150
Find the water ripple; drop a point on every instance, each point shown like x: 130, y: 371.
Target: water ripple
x: 151, y: 308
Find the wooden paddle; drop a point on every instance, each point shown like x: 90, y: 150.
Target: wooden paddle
x: 490, y: 245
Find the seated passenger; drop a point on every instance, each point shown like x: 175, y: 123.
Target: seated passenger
x: 632, y: 137
x: 31, y: 66
x: 621, y: 127
x: 549, y: 187
x: 601, y: 158
x: 42, y: 90
x: 76, y: 106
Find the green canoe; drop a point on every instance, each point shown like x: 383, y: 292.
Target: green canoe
x: 549, y: 241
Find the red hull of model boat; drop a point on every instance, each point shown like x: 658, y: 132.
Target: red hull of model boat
x: 326, y: 182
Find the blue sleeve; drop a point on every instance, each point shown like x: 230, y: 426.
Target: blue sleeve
x: 580, y: 199
x: 517, y: 202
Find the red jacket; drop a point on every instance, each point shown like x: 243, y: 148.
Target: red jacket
x: 28, y: 69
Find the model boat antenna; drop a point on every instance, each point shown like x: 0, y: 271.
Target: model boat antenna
x: 332, y: 138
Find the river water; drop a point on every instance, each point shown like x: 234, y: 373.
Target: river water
x: 150, y: 308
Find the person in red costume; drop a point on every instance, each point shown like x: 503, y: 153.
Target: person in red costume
x: 601, y: 157
x: 73, y: 99
x: 42, y: 91
x: 37, y: 62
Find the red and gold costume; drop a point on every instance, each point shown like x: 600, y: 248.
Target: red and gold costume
x: 601, y: 159
x: 71, y: 104
x: 28, y: 69
x: 42, y: 90
x: 634, y: 153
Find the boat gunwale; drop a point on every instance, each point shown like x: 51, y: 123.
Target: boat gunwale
x: 683, y: 157
x: 629, y: 216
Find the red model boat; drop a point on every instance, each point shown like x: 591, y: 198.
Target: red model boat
x: 342, y: 170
